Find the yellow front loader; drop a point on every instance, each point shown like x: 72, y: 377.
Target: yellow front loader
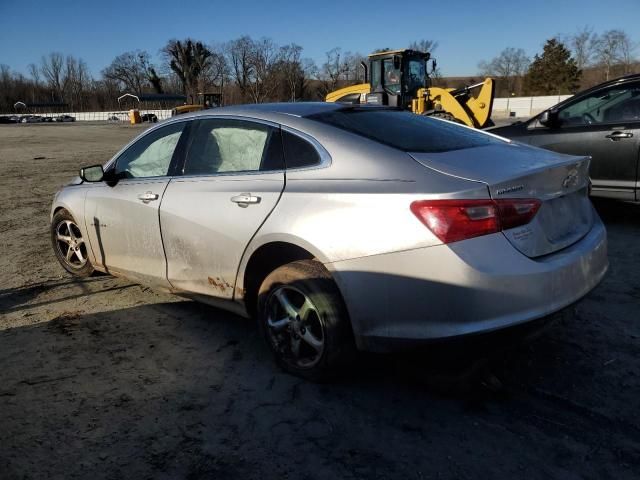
x: 399, y: 78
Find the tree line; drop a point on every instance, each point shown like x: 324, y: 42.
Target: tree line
x: 245, y: 70
x: 566, y: 64
x: 248, y: 70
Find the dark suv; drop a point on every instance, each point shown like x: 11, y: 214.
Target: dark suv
x: 603, y: 122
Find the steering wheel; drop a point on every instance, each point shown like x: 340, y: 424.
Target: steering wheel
x: 588, y: 118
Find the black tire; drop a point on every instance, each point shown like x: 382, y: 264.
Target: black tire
x: 324, y: 318
x: 72, y: 253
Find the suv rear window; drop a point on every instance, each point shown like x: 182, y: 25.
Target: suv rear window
x: 404, y: 130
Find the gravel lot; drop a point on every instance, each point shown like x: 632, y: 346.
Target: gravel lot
x: 105, y: 379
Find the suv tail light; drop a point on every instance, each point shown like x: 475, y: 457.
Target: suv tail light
x: 455, y: 220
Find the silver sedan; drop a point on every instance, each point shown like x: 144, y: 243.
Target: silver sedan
x: 338, y: 227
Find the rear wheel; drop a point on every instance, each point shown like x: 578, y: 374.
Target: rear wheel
x: 69, y: 245
x: 303, y: 320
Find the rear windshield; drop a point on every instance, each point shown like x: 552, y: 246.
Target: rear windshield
x: 404, y: 130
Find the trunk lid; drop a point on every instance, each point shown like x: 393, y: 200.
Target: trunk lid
x: 513, y: 170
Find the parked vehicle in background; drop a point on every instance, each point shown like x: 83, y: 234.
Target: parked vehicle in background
x: 603, y: 122
x: 64, y: 118
x: 30, y: 119
x: 9, y: 119
x: 392, y: 229
x: 149, y: 117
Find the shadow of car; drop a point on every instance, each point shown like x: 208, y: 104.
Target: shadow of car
x: 602, y: 122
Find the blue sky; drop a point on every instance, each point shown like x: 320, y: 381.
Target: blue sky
x: 467, y: 31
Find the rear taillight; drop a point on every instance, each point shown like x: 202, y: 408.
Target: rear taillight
x: 516, y: 211
x: 455, y: 220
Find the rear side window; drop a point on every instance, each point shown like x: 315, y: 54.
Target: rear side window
x: 298, y: 152
x: 226, y: 146
x: 404, y: 130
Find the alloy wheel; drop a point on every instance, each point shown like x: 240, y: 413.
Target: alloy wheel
x: 295, y: 327
x: 70, y: 244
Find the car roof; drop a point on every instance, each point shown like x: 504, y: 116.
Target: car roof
x: 620, y: 80
x: 297, y: 109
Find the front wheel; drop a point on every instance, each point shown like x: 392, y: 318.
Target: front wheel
x: 69, y: 245
x: 303, y: 319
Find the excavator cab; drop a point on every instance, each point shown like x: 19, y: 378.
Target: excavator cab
x: 396, y: 77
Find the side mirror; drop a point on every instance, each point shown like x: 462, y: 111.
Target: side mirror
x: 95, y: 173
x: 549, y: 118
x: 396, y: 62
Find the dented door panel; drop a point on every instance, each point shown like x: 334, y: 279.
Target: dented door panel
x: 206, y: 229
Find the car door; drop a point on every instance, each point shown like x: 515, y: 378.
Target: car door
x: 604, y: 124
x: 122, y: 213
x: 231, y: 180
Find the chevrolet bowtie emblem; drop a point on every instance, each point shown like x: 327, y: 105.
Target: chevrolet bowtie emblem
x: 570, y: 180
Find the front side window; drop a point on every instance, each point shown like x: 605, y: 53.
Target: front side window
x: 616, y: 104
x: 225, y: 146
x: 151, y: 155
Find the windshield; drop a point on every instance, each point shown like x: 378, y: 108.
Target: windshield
x: 404, y: 130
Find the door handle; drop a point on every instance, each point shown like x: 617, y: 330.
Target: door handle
x: 618, y: 135
x: 147, y: 197
x: 244, y: 199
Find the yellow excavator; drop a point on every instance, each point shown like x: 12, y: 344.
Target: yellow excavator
x: 399, y: 78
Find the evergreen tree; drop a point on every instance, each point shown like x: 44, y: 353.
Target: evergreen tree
x: 554, y: 72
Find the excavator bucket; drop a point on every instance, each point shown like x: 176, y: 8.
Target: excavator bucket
x: 482, y: 104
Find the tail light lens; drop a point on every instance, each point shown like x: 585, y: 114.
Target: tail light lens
x: 455, y: 220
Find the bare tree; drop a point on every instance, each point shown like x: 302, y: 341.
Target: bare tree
x: 218, y: 70
x: 239, y: 55
x: 626, y: 49
x: 510, y: 64
x: 34, y: 71
x: 609, y: 50
x: 130, y: 69
x: 264, y: 58
x: 582, y: 45
x: 333, y: 69
x: 351, y: 66
x: 291, y: 69
x: 52, y: 68
x: 77, y: 81
x: 423, y: 45
x: 189, y: 60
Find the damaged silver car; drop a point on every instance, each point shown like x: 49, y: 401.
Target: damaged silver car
x: 339, y: 227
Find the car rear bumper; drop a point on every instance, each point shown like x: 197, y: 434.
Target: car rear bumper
x: 464, y: 288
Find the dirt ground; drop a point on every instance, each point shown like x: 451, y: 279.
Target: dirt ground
x: 101, y: 378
